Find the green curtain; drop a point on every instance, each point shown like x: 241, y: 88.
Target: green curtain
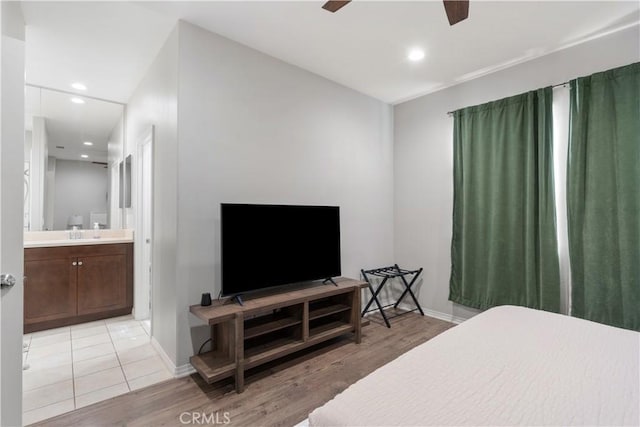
x: 603, y: 197
x: 504, y: 248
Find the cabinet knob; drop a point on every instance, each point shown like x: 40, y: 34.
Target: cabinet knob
x: 79, y: 262
x: 74, y: 263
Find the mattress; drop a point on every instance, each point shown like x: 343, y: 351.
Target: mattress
x: 507, y: 366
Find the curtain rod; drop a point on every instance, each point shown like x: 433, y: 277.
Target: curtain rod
x: 449, y: 113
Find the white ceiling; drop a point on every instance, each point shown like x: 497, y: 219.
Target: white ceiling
x: 363, y: 46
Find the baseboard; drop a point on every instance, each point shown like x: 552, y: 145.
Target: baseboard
x: 176, y: 371
x: 184, y: 370
x: 431, y: 313
x: 166, y: 359
x: 436, y: 314
x: 443, y: 316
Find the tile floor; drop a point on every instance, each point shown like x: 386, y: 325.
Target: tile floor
x: 78, y: 365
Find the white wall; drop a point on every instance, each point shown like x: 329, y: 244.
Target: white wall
x: 49, y: 193
x: 155, y: 102
x: 38, y: 172
x: 115, y: 150
x: 423, y: 153
x: 130, y: 149
x: 80, y: 188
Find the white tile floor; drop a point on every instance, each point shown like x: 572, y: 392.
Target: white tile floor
x: 78, y: 365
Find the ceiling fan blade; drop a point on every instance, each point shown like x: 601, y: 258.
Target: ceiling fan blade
x: 334, y: 6
x: 457, y: 10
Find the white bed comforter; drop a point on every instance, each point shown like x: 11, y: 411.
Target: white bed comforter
x: 507, y: 366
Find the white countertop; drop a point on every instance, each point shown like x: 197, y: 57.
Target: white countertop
x: 43, y: 239
x: 75, y: 242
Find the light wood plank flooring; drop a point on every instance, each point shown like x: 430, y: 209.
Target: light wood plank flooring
x: 278, y: 394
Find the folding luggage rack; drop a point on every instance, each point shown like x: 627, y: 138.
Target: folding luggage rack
x: 391, y: 273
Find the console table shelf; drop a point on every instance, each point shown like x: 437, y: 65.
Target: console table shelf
x: 213, y: 365
x: 255, y: 356
x: 327, y: 310
x: 270, y: 327
x: 329, y: 330
x: 253, y: 328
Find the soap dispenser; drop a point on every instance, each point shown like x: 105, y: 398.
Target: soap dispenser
x: 96, y: 230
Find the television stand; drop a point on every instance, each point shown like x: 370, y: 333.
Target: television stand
x: 273, y: 326
x: 329, y: 280
x: 238, y: 299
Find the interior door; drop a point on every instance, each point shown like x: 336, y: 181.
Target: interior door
x: 12, y: 58
x: 144, y: 223
x: 147, y: 176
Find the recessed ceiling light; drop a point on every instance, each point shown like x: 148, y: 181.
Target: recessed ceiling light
x: 88, y: 143
x: 77, y: 100
x: 78, y: 86
x: 416, y: 55
x: 84, y: 156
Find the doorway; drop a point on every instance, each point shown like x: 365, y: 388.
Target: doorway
x: 78, y: 365
x: 144, y: 225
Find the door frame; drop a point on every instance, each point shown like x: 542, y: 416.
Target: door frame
x: 143, y: 289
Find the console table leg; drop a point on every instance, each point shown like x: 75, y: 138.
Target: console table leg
x: 355, y: 313
x: 239, y: 380
x: 238, y: 336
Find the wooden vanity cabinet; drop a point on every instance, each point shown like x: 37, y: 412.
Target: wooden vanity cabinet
x: 66, y: 285
x: 49, y: 287
x: 100, y: 283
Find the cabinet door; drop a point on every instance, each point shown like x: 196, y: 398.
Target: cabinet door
x: 101, y: 283
x: 49, y: 289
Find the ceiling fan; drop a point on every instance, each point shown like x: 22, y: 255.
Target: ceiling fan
x: 457, y: 10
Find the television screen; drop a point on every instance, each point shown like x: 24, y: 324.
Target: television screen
x: 271, y: 245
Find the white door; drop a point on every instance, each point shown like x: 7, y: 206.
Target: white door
x: 147, y: 218
x: 144, y: 226
x: 11, y: 212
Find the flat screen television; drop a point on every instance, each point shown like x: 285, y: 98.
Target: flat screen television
x: 272, y: 245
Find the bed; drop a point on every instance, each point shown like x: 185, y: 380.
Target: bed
x: 507, y: 366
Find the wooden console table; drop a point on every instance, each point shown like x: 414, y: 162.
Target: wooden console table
x: 273, y: 326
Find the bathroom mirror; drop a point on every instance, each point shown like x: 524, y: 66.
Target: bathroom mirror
x: 73, y: 149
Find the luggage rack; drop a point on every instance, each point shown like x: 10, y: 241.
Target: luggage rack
x: 391, y: 273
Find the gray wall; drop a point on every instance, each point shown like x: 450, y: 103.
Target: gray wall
x: 255, y: 129
x: 155, y: 103
x: 80, y: 188
x: 423, y: 153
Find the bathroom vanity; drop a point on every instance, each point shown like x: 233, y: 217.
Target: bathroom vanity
x: 69, y: 281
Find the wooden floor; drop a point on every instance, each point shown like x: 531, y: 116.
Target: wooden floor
x: 278, y: 394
